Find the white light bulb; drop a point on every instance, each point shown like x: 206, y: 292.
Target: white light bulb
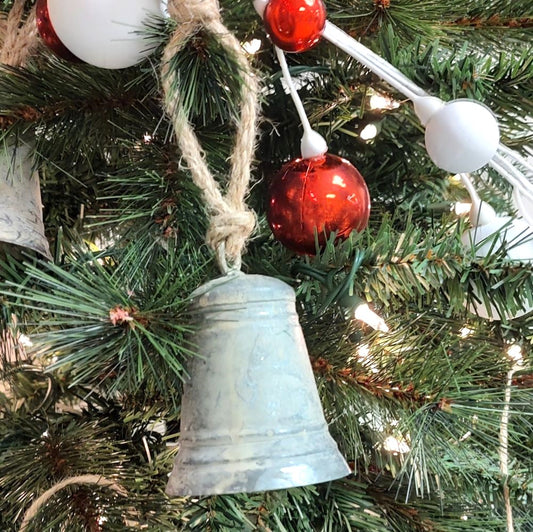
x: 369, y: 132
x: 365, y: 314
x: 394, y: 445
x: 378, y: 101
x: 514, y: 352
x: 25, y: 341
x: 465, y: 332
x: 252, y: 47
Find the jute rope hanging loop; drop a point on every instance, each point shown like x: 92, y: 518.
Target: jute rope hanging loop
x: 18, y: 35
x: 231, y: 221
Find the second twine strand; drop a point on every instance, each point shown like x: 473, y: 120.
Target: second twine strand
x: 231, y: 222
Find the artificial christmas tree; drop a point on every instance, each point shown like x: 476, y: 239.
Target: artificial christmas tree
x: 156, y: 180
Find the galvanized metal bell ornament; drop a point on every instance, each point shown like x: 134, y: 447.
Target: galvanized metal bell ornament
x: 251, y: 417
x: 21, y: 222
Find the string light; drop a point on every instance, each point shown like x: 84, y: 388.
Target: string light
x: 514, y: 352
x: 24, y: 341
x: 380, y: 101
x: 253, y: 46
x: 465, y: 332
x: 396, y: 446
x: 369, y: 132
x: 365, y: 314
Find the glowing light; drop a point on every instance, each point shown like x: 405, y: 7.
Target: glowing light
x: 455, y: 179
x: 363, y: 352
x: 465, y: 436
x: 462, y: 208
x: 394, y: 445
x: 379, y: 101
x: 365, y: 314
x: 147, y: 138
x: 253, y: 46
x: 364, y: 357
x: 465, y: 332
x: 464, y: 517
x: 369, y: 132
x: 514, y: 352
x: 25, y: 341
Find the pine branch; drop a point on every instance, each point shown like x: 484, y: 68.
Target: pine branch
x: 124, y: 325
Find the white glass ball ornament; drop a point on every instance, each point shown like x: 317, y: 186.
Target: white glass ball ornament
x: 516, y: 237
x: 462, y: 136
x: 105, y: 33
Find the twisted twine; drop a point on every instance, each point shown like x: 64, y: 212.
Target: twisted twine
x: 19, y: 35
x: 231, y: 221
x: 86, y: 480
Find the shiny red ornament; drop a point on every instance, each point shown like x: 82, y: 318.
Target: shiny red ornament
x: 317, y: 196
x: 295, y: 25
x: 48, y: 33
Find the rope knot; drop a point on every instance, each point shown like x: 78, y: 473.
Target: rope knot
x: 231, y: 229
x: 197, y: 12
x: 231, y: 222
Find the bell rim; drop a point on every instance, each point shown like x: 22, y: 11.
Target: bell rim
x: 225, y: 480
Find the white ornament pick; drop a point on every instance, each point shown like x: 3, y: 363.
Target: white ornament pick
x: 462, y: 136
x: 105, y: 33
x: 312, y: 144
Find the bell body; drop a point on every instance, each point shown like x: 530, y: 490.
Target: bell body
x: 251, y: 415
x: 21, y: 221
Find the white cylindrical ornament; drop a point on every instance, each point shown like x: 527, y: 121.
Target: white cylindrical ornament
x: 21, y: 218
x: 251, y: 417
x: 105, y: 33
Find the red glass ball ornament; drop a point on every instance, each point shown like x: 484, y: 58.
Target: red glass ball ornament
x: 295, y: 25
x: 48, y: 33
x: 317, y: 196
